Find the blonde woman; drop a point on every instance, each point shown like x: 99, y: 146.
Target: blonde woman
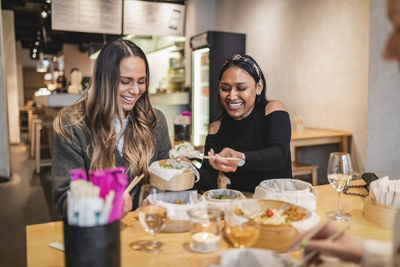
x: 113, y: 124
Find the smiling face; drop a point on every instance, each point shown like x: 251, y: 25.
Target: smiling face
x: 132, y: 82
x: 237, y: 92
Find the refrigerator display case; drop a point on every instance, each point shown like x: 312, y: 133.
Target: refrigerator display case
x: 210, y: 50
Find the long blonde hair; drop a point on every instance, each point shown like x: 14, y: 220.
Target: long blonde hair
x: 97, y: 108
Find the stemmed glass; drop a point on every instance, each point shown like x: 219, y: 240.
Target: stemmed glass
x: 241, y: 228
x: 340, y: 172
x: 151, y: 217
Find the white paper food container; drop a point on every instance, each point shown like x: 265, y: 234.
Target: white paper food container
x: 221, y: 204
x: 296, y: 192
x: 177, y: 218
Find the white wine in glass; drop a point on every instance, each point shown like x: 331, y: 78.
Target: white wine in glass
x: 151, y: 217
x: 241, y: 227
x: 340, y: 172
x: 243, y: 236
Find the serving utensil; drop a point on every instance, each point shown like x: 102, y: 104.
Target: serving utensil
x: 134, y: 182
x: 224, y: 158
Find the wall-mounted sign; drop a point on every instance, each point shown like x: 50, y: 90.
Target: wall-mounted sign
x: 97, y: 16
x: 152, y: 18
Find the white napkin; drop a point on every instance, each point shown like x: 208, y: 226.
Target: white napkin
x: 253, y: 257
x: 385, y: 191
x: 179, y: 211
x: 289, y: 190
x: 164, y: 173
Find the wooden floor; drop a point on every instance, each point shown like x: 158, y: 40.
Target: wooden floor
x: 24, y: 200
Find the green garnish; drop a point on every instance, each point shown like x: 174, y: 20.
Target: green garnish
x: 303, y: 243
x: 221, y: 197
x: 170, y: 166
x: 179, y: 147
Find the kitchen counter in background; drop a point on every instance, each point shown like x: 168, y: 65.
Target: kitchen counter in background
x: 56, y: 100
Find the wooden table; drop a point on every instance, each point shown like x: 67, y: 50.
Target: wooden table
x: 315, y: 136
x: 38, y: 237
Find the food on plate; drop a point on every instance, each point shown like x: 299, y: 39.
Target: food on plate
x: 171, y: 166
x: 277, y: 217
x: 222, y: 197
x: 294, y: 214
x: 238, y: 211
x: 179, y: 202
x: 185, y: 149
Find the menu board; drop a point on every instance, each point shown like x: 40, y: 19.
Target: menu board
x: 97, y: 16
x: 152, y: 18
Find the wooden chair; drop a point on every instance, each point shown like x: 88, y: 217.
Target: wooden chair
x: 223, y: 181
x: 40, y: 125
x: 299, y: 168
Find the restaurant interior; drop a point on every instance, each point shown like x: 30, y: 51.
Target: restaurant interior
x: 321, y: 59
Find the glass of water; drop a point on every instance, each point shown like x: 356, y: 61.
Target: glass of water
x: 340, y: 172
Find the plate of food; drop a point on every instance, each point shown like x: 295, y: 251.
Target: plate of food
x: 172, y: 175
x: 281, y: 222
x: 223, y: 194
x: 221, y: 198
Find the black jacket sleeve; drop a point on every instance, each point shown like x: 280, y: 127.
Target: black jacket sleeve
x: 274, y: 156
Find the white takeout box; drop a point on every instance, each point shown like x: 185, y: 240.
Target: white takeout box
x: 297, y: 192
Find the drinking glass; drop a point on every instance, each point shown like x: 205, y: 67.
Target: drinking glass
x: 151, y: 217
x: 340, y: 172
x: 241, y: 228
x: 205, y: 229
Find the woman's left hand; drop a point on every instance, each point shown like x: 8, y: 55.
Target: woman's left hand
x: 127, y: 206
x: 222, y: 164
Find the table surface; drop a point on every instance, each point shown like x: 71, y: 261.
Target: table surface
x: 38, y: 237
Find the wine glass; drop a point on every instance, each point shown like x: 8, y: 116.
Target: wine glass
x: 340, y: 172
x: 241, y: 227
x: 151, y: 217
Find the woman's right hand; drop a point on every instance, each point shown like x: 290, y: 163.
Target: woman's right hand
x: 221, y: 164
x: 347, y: 247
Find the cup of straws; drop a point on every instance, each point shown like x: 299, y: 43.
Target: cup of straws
x: 92, y: 224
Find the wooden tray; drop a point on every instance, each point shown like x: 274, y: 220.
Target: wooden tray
x: 379, y: 214
x: 183, y: 181
x: 276, y: 237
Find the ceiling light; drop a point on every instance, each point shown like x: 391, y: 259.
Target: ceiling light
x: 37, y: 43
x: 42, y: 64
x: 48, y: 1
x: 33, y: 55
x: 34, y: 50
x: 43, y: 14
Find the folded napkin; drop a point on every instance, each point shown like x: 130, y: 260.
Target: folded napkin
x: 385, y: 191
x: 253, y: 257
x: 175, y: 168
x: 188, y: 200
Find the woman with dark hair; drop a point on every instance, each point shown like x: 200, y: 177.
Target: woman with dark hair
x: 255, y: 131
x: 113, y: 124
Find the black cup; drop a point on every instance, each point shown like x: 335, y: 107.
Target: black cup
x: 92, y: 246
x: 182, y: 132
